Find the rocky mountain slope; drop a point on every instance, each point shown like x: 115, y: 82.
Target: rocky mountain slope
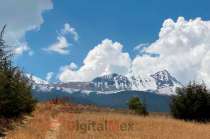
x: 161, y: 82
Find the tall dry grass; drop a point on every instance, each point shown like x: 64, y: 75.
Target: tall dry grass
x: 57, y: 121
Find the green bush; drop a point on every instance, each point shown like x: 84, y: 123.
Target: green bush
x: 15, y: 89
x: 137, y: 106
x: 191, y: 103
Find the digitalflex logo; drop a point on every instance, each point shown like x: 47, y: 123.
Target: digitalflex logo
x: 99, y: 125
x: 106, y: 125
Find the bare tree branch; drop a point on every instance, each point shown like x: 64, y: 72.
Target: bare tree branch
x: 2, y: 32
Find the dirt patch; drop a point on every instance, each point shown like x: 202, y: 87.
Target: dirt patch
x: 54, y: 129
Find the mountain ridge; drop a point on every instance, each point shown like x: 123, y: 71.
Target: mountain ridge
x: 161, y: 82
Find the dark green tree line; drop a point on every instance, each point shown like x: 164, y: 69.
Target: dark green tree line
x: 192, y: 103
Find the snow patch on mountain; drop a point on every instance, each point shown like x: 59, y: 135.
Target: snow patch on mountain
x: 143, y: 83
x: 111, y: 82
x: 166, y: 84
x: 161, y: 83
x: 36, y: 80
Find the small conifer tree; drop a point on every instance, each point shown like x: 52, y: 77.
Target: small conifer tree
x: 15, y: 88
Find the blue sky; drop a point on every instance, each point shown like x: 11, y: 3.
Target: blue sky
x: 130, y: 22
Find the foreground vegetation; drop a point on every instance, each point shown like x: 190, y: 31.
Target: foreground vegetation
x: 55, y: 120
x: 137, y: 106
x: 15, y: 89
x: 192, y: 103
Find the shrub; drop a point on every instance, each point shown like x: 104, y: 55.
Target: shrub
x: 15, y: 89
x: 137, y: 106
x: 191, y: 103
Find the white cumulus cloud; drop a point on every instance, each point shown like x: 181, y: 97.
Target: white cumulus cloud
x: 107, y: 57
x: 21, y: 49
x: 69, y: 29
x: 71, y: 66
x: 60, y: 46
x: 183, y: 48
x: 140, y: 47
x: 22, y: 16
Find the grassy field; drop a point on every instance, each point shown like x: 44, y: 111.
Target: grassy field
x: 57, y: 120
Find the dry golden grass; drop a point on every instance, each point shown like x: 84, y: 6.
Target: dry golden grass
x: 34, y: 127
x: 58, y: 121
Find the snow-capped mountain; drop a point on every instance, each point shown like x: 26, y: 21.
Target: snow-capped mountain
x: 142, y: 83
x: 161, y: 83
x: 165, y: 82
x: 36, y: 80
x: 164, y: 79
x: 112, y: 82
x: 113, y: 90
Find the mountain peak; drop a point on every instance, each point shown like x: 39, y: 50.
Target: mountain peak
x: 161, y: 82
x: 162, y: 75
x: 165, y: 79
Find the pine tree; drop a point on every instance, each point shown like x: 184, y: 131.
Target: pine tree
x: 15, y: 89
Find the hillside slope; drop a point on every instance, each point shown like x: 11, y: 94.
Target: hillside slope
x: 154, y: 102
